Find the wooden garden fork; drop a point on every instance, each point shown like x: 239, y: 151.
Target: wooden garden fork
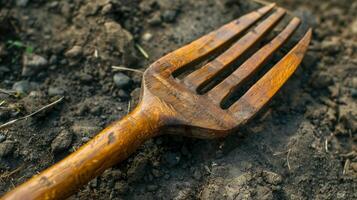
x: 172, y: 105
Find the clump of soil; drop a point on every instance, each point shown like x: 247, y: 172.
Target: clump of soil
x: 303, y: 146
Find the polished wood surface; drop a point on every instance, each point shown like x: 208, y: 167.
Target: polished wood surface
x: 171, y: 105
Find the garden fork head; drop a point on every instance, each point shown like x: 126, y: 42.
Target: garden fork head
x: 202, y: 114
x: 181, y: 106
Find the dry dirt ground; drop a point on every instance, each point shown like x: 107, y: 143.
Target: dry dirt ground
x: 302, y: 146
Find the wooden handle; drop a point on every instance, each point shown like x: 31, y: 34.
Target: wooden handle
x: 109, y: 147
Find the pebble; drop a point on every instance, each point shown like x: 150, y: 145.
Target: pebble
x: 53, y: 59
x: 55, y: 91
x: 322, y: 80
x: 53, y: 4
x: 121, y: 80
x: 354, y: 93
x: 6, y: 148
x: 147, y: 36
x: 85, y: 139
x: 62, y: 141
x: 197, y: 174
x: 155, y: 20
x: 22, y: 3
x: 74, y: 52
x: 331, y: 46
x: 86, y: 77
x: 107, y: 9
x: 117, y: 36
x: 22, y: 87
x: 32, y: 64
x: 169, y: 16
x: 2, y: 138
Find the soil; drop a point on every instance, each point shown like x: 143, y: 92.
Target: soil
x: 302, y: 146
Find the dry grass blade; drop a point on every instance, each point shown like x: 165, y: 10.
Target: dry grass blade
x: 126, y: 69
x: 31, y: 114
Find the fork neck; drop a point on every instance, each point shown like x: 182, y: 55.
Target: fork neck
x: 112, y: 145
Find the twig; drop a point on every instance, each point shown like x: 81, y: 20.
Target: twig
x: 127, y: 69
x: 326, y: 145
x: 2, y: 102
x: 287, y: 159
x: 346, y: 166
x: 142, y: 51
x: 31, y: 114
x: 8, y: 174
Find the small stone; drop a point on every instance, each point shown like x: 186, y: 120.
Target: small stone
x: 155, y: 20
x: 2, y: 138
x: 331, y: 46
x: 32, y: 63
x: 86, y: 77
x: 107, y: 9
x: 3, y: 70
x: 169, y: 16
x: 121, y: 80
x: 22, y: 87
x: 117, y: 36
x: 53, y: 59
x: 55, y: 91
x: 171, y: 158
x: 147, y: 36
x: 197, y: 174
x: 74, y: 52
x: 53, y: 4
x: 22, y: 3
x: 62, y: 141
x: 6, y: 148
x: 354, y: 93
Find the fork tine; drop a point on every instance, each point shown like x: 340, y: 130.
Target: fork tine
x: 209, y: 43
x: 208, y: 71
x: 249, y: 67
x: 266, y: 87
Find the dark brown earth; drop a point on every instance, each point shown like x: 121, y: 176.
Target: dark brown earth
x: 303, y: 146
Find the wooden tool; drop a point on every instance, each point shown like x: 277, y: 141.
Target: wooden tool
x: 177, y: 106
